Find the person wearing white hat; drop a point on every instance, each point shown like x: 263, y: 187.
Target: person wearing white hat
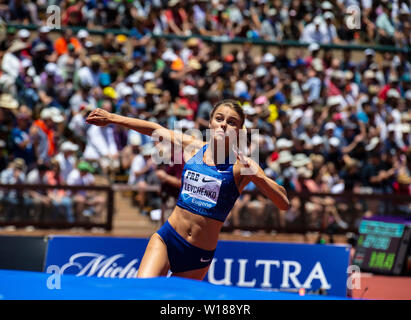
x: 283, y: 144
x: 171, y: 78
x: 330, y: 29
x: 190, y: 100
x: 83, y: 37
x: 11, y: 65
x: 24, y: 34
x: 271, y: 28
x: 67, y: 158
x: 204, y: 201
x: 268, y: 58
x: 101, y: 146
x: 314, y: 32
x: 49, y: 118
x: 41, y: 40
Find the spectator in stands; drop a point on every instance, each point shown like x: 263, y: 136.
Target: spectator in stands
x: 87, y: 204
x: 60, y: 198
x: 22, y: 144
x: 101, y: 147
x: 61, y: 43
x: 15, y: 173
x: 321, y: 105
x: 41, y: 200
x: 142, y: 173
x: 66, y: 159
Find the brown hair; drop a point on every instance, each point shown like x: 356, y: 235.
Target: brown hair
x: 232, y: 104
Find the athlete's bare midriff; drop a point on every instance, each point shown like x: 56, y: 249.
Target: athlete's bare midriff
x: 198, y: 230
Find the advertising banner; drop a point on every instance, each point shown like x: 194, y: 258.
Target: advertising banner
x: 263, y: 265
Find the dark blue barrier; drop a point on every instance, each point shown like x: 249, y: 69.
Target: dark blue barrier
x: 271, y: 266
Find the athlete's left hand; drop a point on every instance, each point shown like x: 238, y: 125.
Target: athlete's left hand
x: 251, y: 166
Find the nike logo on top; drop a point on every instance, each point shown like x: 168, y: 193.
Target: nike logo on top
x: 206, y: 180
x: 204, y: 260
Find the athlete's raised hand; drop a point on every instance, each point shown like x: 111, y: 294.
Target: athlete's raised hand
x: 99, y: 117
x: 247, y: 162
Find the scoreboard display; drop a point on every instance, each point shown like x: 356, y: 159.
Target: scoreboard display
x: 382, y: 246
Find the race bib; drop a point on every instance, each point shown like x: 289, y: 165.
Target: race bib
x: 200, y: 189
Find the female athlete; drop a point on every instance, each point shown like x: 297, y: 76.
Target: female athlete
x: 185, y: 244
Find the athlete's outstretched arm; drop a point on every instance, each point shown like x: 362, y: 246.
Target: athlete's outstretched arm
x: 100, y: 117
x: 276, y: 193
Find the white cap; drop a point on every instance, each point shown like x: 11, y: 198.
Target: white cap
x: 148, y: 75
x: 268, y: 58
x: 317, y: 140
x: 369, y: 52
x: 82, y: 34
x: 189, y: 91
x: 318, y: 20
x: 26, y: 63
x: 393, y: 93
x: 44, y: 29
x: 304, y: 172
x: 284, y: 143
x: 334, y: 100
x: 369, y: 74
x: 405, y: 128
x: 297, y: 114
x: 335, y: 142
x: 285, y: 157
x: 133, y: 78
x: 314, y: 46
x: 52, y: 113
x: 261, y: 71
x: 392, y: 127
x: 339, y: 74
x: 135, y: 140
x: 249, y: 110
x: 408, y: 95
x: 68, y: 146
x: 51, y: 68
x: 296, y: 101
x: 373, y: 143
x: 317, y: 64
x: 46, y: 113
x: 126, y: 91
x: 89, y: 44
x: 300, y: 159
x: 169, y: 56
x: 326, y: 5
x: 329, y: 126
x: 23, y: 33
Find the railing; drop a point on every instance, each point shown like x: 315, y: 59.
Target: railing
x: 309, y: 212
x: 326, y: 212
x: 21, y: 209
x: 220, y: 40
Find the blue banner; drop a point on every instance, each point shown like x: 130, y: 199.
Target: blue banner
x: 272, y: 266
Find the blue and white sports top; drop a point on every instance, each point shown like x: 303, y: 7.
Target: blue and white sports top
x: 209, y: 191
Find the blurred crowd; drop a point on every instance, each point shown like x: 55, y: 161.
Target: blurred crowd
x: 328, y: 123
x: 383, y: 21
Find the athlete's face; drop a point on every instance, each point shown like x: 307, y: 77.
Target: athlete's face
x: 225, y: 123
